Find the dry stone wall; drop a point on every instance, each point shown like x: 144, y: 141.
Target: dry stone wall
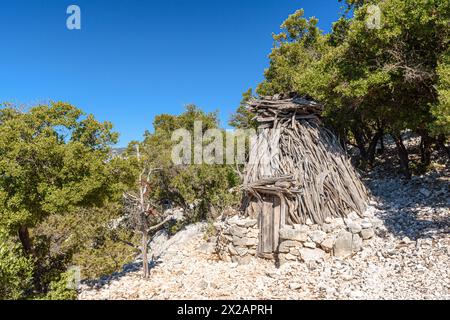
x: 342, y: 237
x: 237, y: 239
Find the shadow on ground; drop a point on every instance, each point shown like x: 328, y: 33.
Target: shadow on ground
x: 417, y: 208
x: 129, y: 268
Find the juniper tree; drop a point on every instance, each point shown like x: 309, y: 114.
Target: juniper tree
x: 372, y: 80
x: 53, y: 160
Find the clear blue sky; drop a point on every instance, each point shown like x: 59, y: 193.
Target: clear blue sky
x: 135, y: 59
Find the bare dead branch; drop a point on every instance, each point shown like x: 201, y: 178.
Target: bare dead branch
x: 159, y: 225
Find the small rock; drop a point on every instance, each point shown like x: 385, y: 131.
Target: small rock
x: 253, y: 233
x: 232, y: 249
x: 290, y: 256
x: 367, y: 233
x: 425, y: 192
x: 366, y: 225
x: 286, y: 245
x: 356, y: 243
x: 234, y: 220
x: 283, y: 249
x: 327, y: 244
x: 301, y: 227
x: 247, y: 223
x: 343, y: 247
x: 238, y: 231
x: 329, y: 220
x: 241, y: 251
x: 227, y: 237
x: 309, y: 222
x: 294, y: 251
x: 353, y: 215
x: 339, y: 222
x: 250, y: 223
x: 317, y: 236
x: 203, y: 285
x: 208, y: 248
x: 406, y: 240
x: 377, y: 223
x: 244, y: 241
x: 293, y: 234
x: 225, y: 257
x: 307, y: 254
x: 327, y: 228
x: 242, y: 260
x: 215, y: 285
x: 368, y: 214
x: 310, y: 245
x: 295, y: 286
x: 274, y: 274
x: 354, y: 228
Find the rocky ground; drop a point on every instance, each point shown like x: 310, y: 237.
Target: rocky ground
x: 408, y: 259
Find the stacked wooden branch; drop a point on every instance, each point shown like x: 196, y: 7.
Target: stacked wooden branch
x: 270, y: 109
x: 296, y: 159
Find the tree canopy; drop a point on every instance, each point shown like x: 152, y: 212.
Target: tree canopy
x: 372, y: 80
x: 54, y: 160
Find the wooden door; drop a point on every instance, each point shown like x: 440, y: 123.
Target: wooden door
x: 269, y: 226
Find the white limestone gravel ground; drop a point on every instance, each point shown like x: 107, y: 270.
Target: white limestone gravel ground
x: 389, y: 269
x: 408, y: 259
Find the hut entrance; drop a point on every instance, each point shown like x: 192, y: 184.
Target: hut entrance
x: 270, y: 221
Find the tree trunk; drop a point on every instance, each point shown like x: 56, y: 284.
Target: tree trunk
x: 361, y: 144
x: 425, y: 149
x: 381, y: 150
x: 441, y: 144
x: 402, y: 155
x: 24, y: 237
x: 373, y: 147
x: 145, y: 254
x: 143, y: 218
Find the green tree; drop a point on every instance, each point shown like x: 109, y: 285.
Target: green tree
x: 53, y: 160
x: 87, y: 238
x: 391, y: 71
x: 371, y: 80
x: 441, y: 109
x: 206, y: 187
x: 243, y: 118
x: 298, y: 48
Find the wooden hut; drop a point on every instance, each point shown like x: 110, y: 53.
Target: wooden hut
x: 298, y: 172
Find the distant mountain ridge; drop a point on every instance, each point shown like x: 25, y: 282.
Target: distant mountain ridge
x: 116, y: 152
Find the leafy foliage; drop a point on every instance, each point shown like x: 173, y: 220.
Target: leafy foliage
x: 441, y: 109
x: 243, y: 118
x: 59, y: 288
x: 370, y: 80
x: 54, y: 161
x: 51, y: 162
x: 16, y: 270
x: 88, y: 239
x: 198, y: 187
